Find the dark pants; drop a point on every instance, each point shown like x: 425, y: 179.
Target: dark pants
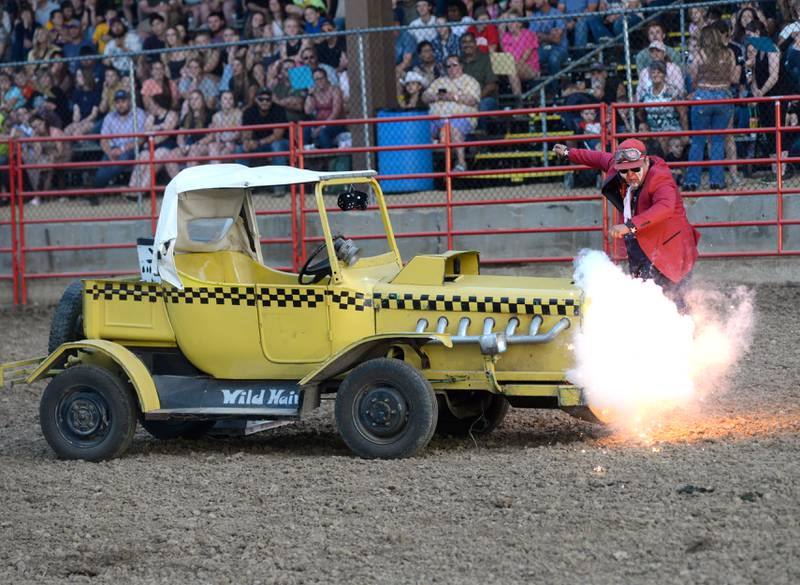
x: 641, y: 267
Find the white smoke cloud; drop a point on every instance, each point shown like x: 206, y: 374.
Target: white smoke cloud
x: 637, y: 358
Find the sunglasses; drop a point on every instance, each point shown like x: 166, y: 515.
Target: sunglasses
x: 633, y: 170
x: 264, y: 98
x: 627, y: 155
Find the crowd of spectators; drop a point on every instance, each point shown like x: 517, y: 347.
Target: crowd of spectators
x: 449, y: 61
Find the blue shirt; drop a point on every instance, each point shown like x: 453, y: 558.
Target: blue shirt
x: 545, y: 26
x: 403, y: 44
x: 577, y: 6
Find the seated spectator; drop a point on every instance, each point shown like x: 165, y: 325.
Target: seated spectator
x: 713, y: 69
x: 655, y: 32
x: 196, y: 116
x: 492, y: 8
x: 44, y: 8
x: 10, y: 95
x: 313, y: 21
x: 175, y: 61
x: 523, y: 45
x: 478, y: 66
x: 112, y: 85
x: 170, y: 12
x: 445, y: 43
x: 159, y: 83
x: 50, y: 101
x: 290, y: 99
x: 428, y: 66
x: 122, y: 42
x: 229, y: 54
x: 23, y: 81
x: 332, y: 51
x: 102, y: 30
x: 425, y: 18
x: 747, y: 14
x: 615, y: 21
x: 486, y: 35
x: 42, y: 48
x: 583, y: 25
x: 22, y: 37
x: 266, y: 53
x: 74, y: 42
x: 662, y: 118
x: 589, y: 124
x: 290, y: 49
x: 324, y: 102
x: 161, y: 118
x: 85, y: 102
x: 238, y: 84
x: 457, y: 93
x: 256, y: 79
x: 255, y: 23
x: 413, y: 85
x: 457, y: 13
x: 405, y: 48
x: 229, y: 116
x: 276, y: 16
x: 156, y: 39
x: 658, y: 52
x: 201, y: 10
x: 195, y: 79
x: 210, y: 59
x: 55, y: 28
x: 552, y: 37
x: 265, y: 140
x: 216, y: 23
x: 47, y: 152
x: 309, y: 59
x: 117, y: 148
x: 61, y: 74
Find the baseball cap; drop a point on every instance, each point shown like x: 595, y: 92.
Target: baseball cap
x: 596, y: 66
x: 264, y: 91
x: 121, y: 95
x: 629, y: 154
x: 658, y: 45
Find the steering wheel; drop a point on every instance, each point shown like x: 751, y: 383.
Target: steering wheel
x: 316, y: 271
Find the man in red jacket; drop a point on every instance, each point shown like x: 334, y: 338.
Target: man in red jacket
x: 661, y: 243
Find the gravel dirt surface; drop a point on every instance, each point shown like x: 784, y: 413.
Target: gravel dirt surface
x: 712, y: 498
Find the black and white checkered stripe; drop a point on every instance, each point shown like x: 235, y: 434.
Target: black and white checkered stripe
x: 476, y: 304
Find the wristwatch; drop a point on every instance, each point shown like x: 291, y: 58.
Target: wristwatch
x: 631, y: 227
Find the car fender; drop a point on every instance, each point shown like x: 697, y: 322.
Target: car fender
x: 368, y: 348
x: 101, y: 352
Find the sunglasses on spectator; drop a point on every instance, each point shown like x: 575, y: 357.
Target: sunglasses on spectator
x: 264, y: 98
x: 627, y: 155
x: 633, y: 170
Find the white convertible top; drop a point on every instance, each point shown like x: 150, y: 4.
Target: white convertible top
x: 216, y: 190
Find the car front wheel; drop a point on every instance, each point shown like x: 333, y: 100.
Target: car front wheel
x: 88, y: 413
x: 386, y: 409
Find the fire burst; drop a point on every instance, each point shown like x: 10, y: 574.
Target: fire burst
x: 638, y: 358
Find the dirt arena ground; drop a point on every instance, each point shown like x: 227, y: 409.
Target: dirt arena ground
x: 546, y: 499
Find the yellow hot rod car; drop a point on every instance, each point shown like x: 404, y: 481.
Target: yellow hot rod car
x: 208, y: 335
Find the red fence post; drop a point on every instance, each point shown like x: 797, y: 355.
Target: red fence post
x: 12, y: 206
x: 23, y: 289
x: 449, y: 184
x: 151, y: 149
x: 603, y: 200
x: 779, y: 173
x: 301, y: 244
x: 293, y: 197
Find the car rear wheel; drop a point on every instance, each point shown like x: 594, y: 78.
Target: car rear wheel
x: 88, y: 413
x: 386, y: 409
x: 471, y: 413
x: 167, y: 430
x: 67, y: 323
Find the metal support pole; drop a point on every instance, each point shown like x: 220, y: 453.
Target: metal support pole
x: 134, y: 108
x: 779, y: 172
x: 448, y: 169
x: 545, y: 145
x: 12, y: 202
x: 683, y: 37
x: 628, y: 76
x: 362, y: 75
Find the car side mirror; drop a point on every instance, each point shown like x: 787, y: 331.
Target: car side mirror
x: 352, y: 200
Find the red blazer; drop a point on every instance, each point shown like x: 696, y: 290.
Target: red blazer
x: 662, y: 229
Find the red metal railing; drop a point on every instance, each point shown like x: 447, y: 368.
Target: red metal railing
x: 299, y: 209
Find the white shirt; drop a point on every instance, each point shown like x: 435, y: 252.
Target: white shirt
x: 422, y: 34
x: 626, y: 205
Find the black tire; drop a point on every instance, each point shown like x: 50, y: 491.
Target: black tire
x: 479, y: 413
x: 167, y: 430
x: 88, y: 413
x: 386, y: 409
x: 67, y: 324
